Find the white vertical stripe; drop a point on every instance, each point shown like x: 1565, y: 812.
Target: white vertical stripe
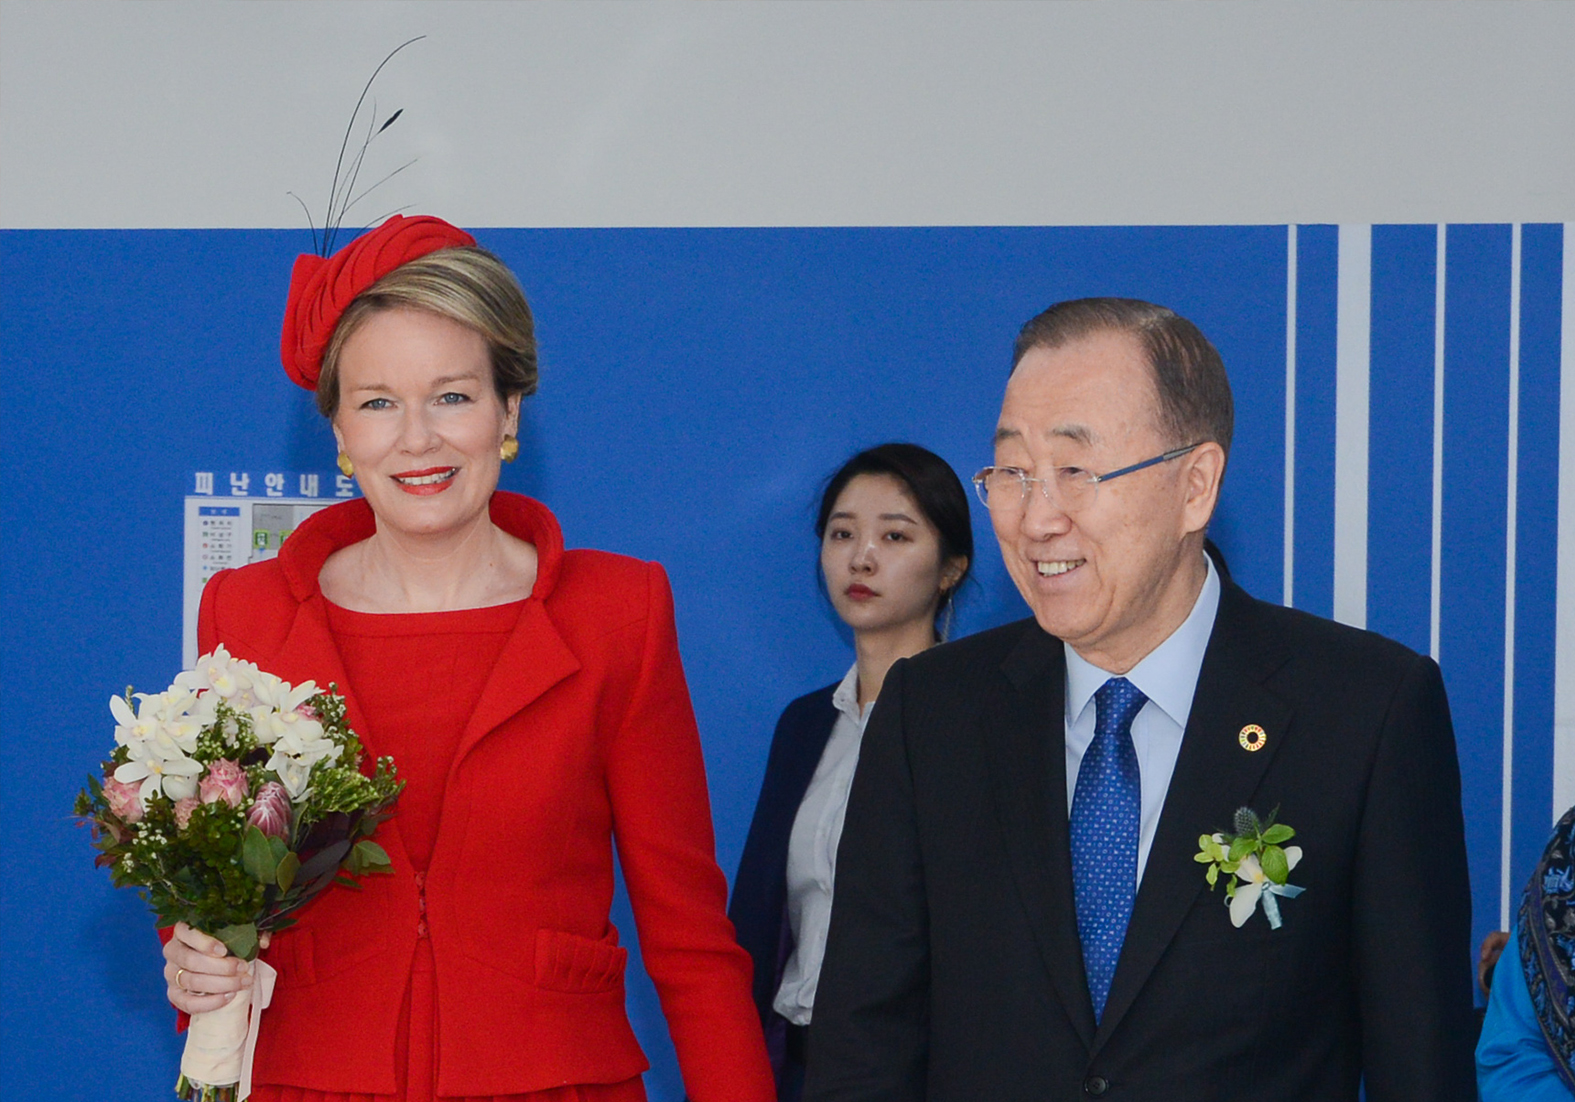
x: 1511, y: 493
x: 1564, y: 637
x: 1290, y: 416
x: 1353, y: 317
x: 1436, y: 591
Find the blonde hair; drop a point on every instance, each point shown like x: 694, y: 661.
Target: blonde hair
x: 466, y: 284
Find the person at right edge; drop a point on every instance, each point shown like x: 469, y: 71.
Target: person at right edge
x: 1020, y: 909
x: 1527, y: 1049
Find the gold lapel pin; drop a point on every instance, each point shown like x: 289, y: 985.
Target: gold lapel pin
x: 1252, y: 738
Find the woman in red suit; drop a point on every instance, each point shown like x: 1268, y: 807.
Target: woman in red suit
x: 533, y: 700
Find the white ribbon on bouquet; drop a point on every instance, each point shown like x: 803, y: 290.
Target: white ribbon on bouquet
x: 220, y: 1044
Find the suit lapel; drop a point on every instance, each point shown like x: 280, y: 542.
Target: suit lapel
x: 534, y: 659
x: 1024, y: 730
x: 1214, y: 775
x: 309, y: 652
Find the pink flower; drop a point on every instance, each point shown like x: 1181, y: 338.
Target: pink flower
x: 225, y: 781
x: 306, y: 711
x: 183, y: 810
x: 271, y: 811
x: 124, y: 799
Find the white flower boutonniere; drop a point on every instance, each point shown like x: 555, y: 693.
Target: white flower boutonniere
x: 1256, y: 862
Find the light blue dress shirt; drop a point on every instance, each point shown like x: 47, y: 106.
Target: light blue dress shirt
x: 1514, y: 1063
x: 1168, y: 676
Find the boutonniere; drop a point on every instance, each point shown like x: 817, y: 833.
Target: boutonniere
x: 1256, y: 862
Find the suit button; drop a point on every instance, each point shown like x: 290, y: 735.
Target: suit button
x: 1095, y: 1085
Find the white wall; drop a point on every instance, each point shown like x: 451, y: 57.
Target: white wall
x: 191, y: 114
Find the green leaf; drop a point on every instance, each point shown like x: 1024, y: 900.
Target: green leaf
x: 241, y: 940
x: 372, y: 856
x: 284, y: 875
x: 1277, y: 834
x: 279, y: 848
x: 1204, y: 858
x: 1242, y: 846
x: 1275, y: 867
x: 1212, y: 876
x: 347, y: 882
x: 257, y: 855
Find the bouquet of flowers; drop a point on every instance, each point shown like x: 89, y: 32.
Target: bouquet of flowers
x: 230, y: 800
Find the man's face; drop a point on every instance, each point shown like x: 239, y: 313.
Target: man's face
x: 1116, y: 575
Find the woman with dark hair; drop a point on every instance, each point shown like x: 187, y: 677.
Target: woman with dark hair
x: 895, y: 544
x: 533, y: 700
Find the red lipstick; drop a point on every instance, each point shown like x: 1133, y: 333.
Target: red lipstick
x: 424, y: 483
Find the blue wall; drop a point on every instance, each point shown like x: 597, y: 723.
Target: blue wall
x: 696, y: 387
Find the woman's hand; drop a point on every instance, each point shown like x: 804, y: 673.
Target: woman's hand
x: 201, y: 973
x: 1487, y: 959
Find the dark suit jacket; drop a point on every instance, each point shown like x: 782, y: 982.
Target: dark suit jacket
x: 954, y: 969
x: 759, y: 907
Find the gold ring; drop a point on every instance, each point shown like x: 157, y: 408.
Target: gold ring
x: 178, y: 973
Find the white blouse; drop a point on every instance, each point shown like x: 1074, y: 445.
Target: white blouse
x: 812, y: 853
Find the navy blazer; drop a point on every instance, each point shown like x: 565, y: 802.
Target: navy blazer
x: 954, y: 971
x: 759, y: 907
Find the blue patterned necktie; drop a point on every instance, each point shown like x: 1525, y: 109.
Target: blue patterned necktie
x: 1107, y: 817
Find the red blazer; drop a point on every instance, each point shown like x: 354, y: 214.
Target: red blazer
x: 584, y: 735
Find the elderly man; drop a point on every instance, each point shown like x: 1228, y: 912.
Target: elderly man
x: 1031, y: 896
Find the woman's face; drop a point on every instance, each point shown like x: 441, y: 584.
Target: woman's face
x: 419, y: 418
x: 882, y: 557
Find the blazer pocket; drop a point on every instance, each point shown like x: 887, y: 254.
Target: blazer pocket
x: 579, y: 965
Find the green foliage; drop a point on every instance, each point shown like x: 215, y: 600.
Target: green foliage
x: 257, y: 856
x: 1275, y: 866
x: 220, y: 874
x: 240, y: 939
x: 1223, y: 853
x: 284, y: 875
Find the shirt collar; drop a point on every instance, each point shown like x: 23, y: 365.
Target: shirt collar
x: 845, y: 697
x: 1168, y: 674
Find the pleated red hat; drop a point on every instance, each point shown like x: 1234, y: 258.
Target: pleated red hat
x: 321, y: 287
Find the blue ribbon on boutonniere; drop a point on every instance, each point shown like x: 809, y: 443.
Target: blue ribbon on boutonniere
x: 1256, y: 862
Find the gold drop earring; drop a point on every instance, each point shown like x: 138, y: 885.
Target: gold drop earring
x: 509, y: 450
x: 346, y: 467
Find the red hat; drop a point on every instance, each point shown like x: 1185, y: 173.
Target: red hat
x: 321, y: 287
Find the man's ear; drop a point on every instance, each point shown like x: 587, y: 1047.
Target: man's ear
x: 1202, y: 473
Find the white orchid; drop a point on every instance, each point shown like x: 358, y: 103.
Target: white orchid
x: 304, y: 740
x: 204, y: 709
x: 270, y: 725
x: 279, y: 695
x: 1254, y: 886
x: 293, y: 773
x: 213, y: 671
x: 160, y: 720
x: 132, y: 727
x: 177, y: 777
